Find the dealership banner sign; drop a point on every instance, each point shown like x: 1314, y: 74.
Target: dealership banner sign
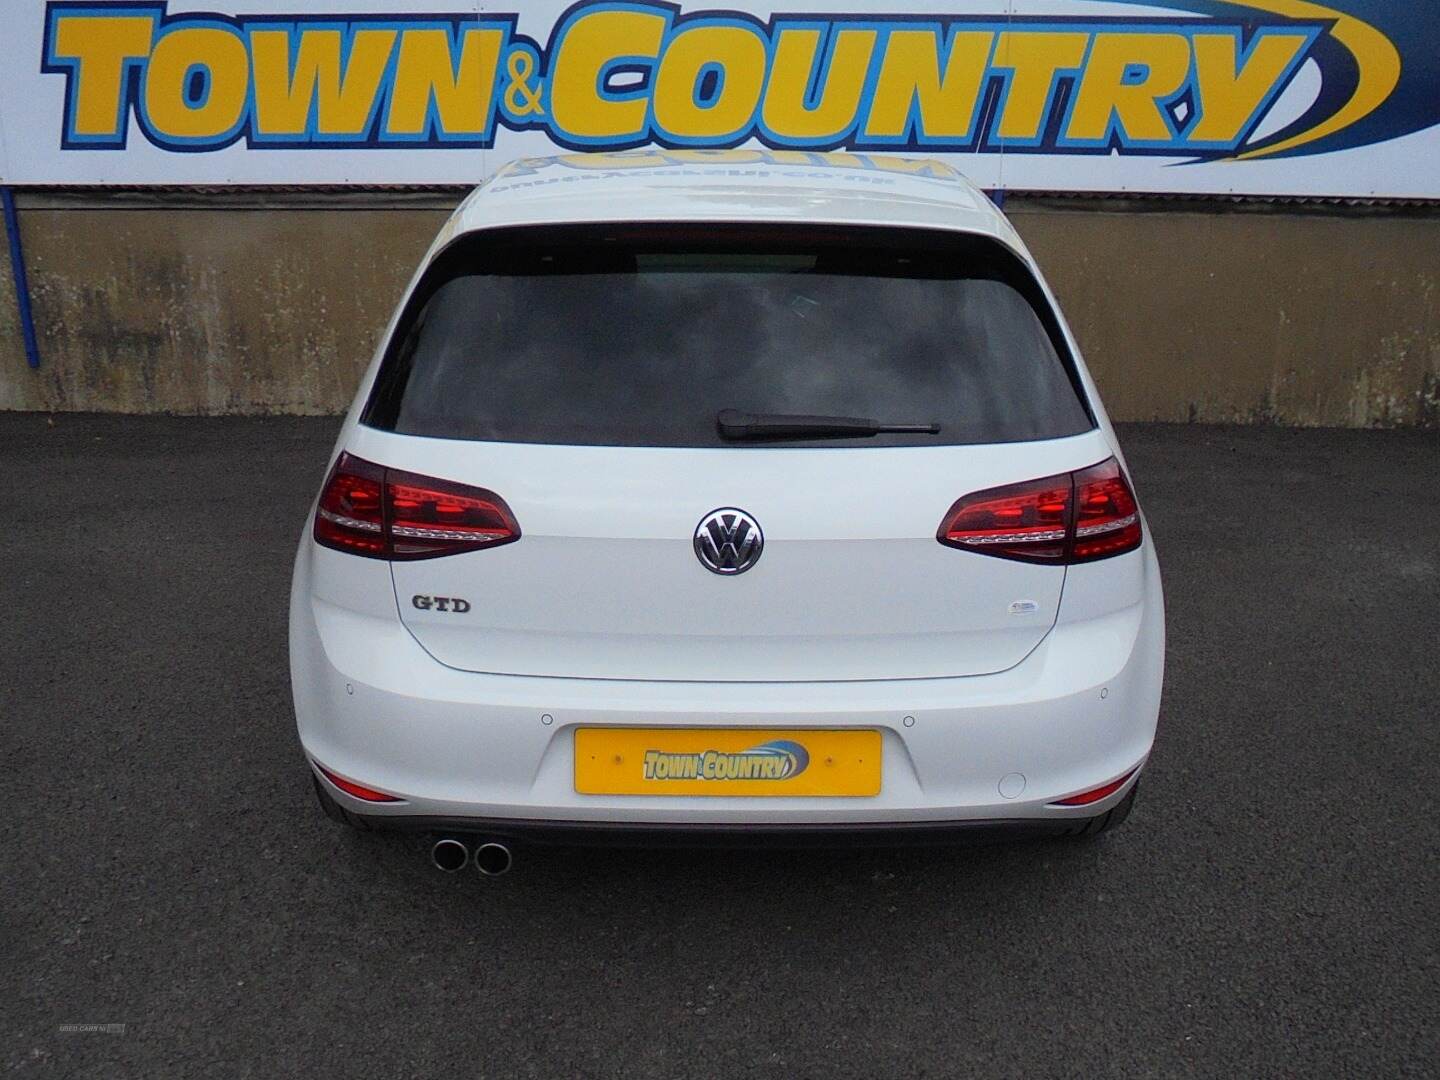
x: 1283, y: 97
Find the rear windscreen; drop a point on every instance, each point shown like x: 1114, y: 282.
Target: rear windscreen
x: 639, y: 337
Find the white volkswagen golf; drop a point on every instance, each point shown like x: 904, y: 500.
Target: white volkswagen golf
x: 726, y: 495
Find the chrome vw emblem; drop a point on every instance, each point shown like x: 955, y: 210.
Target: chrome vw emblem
x: 728, y: 541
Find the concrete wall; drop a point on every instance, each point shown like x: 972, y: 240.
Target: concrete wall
x: 238, y: 306
x: 245, y: 303
x: 1251, y: 314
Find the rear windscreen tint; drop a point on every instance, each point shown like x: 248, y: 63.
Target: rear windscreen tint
x: 640, y: 337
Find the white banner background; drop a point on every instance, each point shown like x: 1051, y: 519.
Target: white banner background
x: 33, y: 116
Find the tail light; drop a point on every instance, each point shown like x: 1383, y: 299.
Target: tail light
x: 1107, y: 518
x: 367, y: 509
x: 1070, y: 518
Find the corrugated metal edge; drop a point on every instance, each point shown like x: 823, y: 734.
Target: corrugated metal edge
x: 249, y: 197
x: 316, y: 189
x: 214, y: 189
x: 1274, y: 200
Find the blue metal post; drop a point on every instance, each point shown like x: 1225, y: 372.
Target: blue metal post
x: 17, y: 271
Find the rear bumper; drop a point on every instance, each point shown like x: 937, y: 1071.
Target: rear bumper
x: 978, y: 756
x: 620, y: 834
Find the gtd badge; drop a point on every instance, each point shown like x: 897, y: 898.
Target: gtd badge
x: 728, y: 541
x: 441, y: 603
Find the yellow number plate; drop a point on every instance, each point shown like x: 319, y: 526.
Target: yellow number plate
x: 726, y: 761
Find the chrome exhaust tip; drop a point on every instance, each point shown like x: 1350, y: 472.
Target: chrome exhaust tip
x: 449, y: 854
x: 493, y: 859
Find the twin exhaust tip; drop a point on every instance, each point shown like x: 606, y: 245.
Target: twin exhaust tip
x: 450, y: 855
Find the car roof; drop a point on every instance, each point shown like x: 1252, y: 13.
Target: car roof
x: 732, y: 185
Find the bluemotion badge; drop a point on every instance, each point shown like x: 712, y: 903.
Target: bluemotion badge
x: 781, y: 759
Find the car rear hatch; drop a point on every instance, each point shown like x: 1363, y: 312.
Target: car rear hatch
x: 578, y: 374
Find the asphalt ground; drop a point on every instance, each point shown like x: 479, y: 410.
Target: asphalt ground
x: 1270, y: 909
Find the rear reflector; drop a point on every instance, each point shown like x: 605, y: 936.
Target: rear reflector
x: 357, y: 790
x: 367, y: 509
x: 1068, y: 518
x: 1085, y: 798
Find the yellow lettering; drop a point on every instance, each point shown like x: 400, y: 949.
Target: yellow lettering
x: 796, y: 157
x: 578, y: 106
x: 910, y: 78
x: 619, y: 160
x: 785, y: 111
x: 716, y: 157
x: 426, y: 70
x: 916, y: 166
x: 178, y: 57
x: 736, y: 55
x: 100, y: 47
x: 1229, y: 95
x: 1034, y: 58
x: 1127, y: 77
x: 341, y: 101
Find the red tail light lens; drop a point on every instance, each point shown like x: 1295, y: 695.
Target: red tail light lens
x: 436, y: 517
x: 350, y: 516
x: 1107, y: 520
x: 1069, y: 518
x: 367, y: 509
x: 1029, y: 521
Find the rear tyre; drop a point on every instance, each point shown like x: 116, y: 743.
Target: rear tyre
x: 334, y: 811
x: 1111, y: 819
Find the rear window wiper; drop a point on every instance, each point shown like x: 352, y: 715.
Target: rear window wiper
x: 734, y: 424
